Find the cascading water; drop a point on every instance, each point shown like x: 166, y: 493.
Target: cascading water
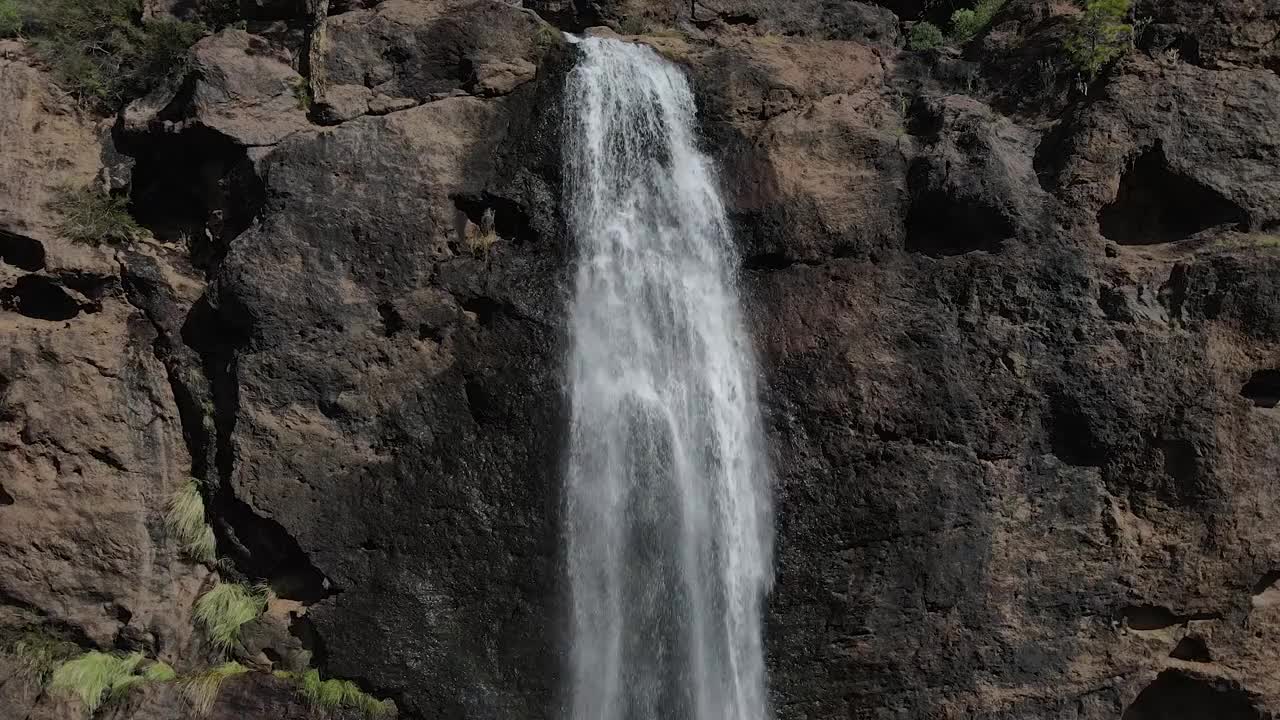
x: 667, y: 519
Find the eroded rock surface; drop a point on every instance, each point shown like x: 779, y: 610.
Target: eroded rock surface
x: 1021, y: 350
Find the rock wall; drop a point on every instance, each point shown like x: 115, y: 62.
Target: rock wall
x: 1021, y: 344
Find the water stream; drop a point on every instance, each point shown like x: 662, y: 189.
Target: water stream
x: 668, y: 522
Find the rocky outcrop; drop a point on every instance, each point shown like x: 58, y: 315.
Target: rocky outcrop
x: 1020, y: 343
x: 91, y: 440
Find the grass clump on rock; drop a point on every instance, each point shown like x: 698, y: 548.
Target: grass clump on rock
x: 96, y: 677
x: 333, y: 695
x: 202, y: 690
x: 225, y: 609
x: 186, y: 522
x: 94, y: 217
x: 40, y: 655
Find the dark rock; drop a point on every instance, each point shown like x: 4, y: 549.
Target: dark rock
x: 1019, y: 352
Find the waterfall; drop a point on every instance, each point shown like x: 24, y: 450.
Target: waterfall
x: 668, y: 523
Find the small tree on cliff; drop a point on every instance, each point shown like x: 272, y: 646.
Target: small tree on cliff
x: 1099, y: 36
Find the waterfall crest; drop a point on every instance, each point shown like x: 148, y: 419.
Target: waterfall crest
x: 668, y: 521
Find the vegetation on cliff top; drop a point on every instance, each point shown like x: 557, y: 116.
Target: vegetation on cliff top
x: 966, y: 24
x: 1100, y: 35
x: 101, y: 51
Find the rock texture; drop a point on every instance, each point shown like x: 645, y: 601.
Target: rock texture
x: 91, y: 442
x: 1021, y: 348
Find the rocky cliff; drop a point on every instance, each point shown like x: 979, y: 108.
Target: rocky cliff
x: 1020, y: 335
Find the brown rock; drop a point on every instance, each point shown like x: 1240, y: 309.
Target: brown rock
x: 45, y: 145
x: 244, y: 89
x: 427, y: 50
x: 90, y: 432
x: 341, y: 103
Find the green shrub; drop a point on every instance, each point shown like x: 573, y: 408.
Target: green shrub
x: 1099, y: 36
x: 96, y: 677
x: 333, y: 695
x: 10, y: 19
x: 224, y: 609
x: 966, y: 24
x: 202, y: 690
x: 100, y: 50
x: 185, y: 521
x: 924, y: 36
x: 93, y: 217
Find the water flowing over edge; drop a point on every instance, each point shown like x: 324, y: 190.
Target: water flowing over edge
x: 668, y: 519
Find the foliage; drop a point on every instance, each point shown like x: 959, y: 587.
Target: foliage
x: 93, y: 217
x: 1099, y: 36
x: 100, y: 50
x: 96, y: 677
x: 302, y: 93
x: 633, y: 25
x: 10, y: 19
x: 547, y: 36
x: 224, y: 609
x: 1252, y: 241
x: 202, y: 690
x: 924, y: 36
x: 185, y: 521
x: 481, y: 241
x: 967, y: 23
x: 159, y: 672
x: 219, y: 13
x: 331, y: 695
x: 39, y: 655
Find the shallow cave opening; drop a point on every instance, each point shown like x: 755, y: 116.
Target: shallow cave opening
x: 392, y: 322
x: 199, y: 186
x: 569, y: 15
x: 40, y: 298
x: 262, y: 548
x: 484, y: 308
x: 502, y: 215
x: 1071, y: 436
x: 942, y: 223
x: 1175, y: 695
x: 1156, y: 204
x: 21, y: 252
x: 1263, y: 388
x: 5, y: 497
x: 1192, y: 648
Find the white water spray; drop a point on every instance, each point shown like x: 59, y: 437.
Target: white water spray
x: 668, y: 520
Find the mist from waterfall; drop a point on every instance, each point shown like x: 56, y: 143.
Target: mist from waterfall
x: 668, y: 522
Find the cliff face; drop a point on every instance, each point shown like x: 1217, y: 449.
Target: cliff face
x: 1021, y: 346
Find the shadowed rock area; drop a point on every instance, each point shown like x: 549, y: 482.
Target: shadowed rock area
x: 1019, y: 341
